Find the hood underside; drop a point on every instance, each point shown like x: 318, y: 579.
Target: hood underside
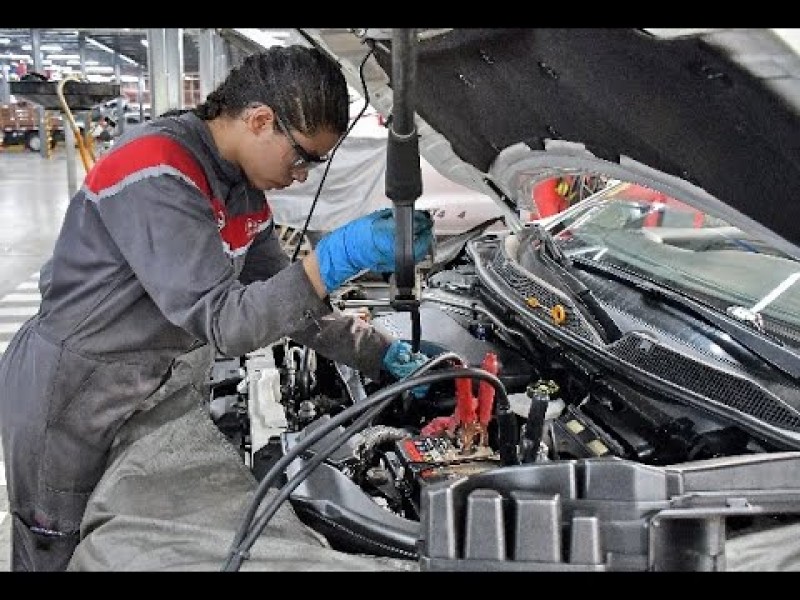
x: 718, y: 110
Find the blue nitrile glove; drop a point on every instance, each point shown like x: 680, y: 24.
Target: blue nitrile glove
x: 367, y: 243
x: 400, y: 361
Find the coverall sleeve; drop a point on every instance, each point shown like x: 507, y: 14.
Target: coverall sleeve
x: 347, y: 339
x: 337, y: 336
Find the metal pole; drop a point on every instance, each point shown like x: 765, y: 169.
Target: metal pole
x: 205, y: 52
x: 82, y: 52
x: 69, y: 142
x: 123, y: 99
x: 165, y: 63
x: 140, y: 93
x: 213, y: 61
x: 403, y: 175
x: 5, y: 88
x: 36, y: 51
x: 174, y: 60
x: 87, y: 116
x: 159, y: 97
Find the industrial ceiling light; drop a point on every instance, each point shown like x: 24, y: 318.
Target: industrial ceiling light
x: 105, y: 48
x: 26, y: 57
x: 63, y: 56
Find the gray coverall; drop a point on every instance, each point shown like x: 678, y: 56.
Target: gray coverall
x: 164, y: 248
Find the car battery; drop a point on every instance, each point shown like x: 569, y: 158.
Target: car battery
x: 430, y: 459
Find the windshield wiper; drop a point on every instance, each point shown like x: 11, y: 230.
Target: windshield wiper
x: 553, y: 256
x: 752, y: 316
x: 771, y: 351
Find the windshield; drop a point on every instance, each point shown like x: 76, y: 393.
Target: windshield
x: 674, y: 244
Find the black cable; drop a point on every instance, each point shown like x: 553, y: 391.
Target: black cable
x: 275, y: 502
x: 278, y: 468
x: 381, y: 398
x: 242, y: 541
x: 330, y: 160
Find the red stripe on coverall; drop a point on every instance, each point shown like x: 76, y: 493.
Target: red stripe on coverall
x: 238, y: 231
x: 160, y: 151
x: 143, y: 153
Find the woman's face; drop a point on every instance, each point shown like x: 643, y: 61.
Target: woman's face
x: 272, y: 155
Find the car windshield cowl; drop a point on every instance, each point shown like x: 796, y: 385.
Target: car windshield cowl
x: 553, y: 257
x: 764, y: 346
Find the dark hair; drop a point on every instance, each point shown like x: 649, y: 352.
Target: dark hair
x: 305, y: 86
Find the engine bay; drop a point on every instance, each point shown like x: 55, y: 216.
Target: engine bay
x: 581, y: 402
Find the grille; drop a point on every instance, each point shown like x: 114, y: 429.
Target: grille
x: 725, y: 388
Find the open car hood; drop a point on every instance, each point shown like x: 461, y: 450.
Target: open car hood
x: 711, y: 117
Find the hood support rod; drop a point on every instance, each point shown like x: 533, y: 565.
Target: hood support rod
x: 403, y: 174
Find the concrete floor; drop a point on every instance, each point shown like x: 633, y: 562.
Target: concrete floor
x: 33, y: 198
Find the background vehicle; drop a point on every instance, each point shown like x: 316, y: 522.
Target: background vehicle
x: 19, y: 122
x: 109, y: 112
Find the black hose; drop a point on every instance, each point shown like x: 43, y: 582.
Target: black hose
x: 244, y: 537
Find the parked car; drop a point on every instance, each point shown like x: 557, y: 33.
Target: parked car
x: 19, y: 123
x: 615, y: 387
x: 110, y: 111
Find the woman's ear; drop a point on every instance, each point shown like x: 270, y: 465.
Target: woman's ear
x: 263, y: 119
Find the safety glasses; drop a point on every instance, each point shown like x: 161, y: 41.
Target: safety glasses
x: 304, y: 160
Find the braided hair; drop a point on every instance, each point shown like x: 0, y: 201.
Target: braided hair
x: 303, y: 85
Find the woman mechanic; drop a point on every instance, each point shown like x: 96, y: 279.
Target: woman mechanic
x: 168, y: 246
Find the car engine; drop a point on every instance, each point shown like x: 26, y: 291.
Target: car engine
x: 600, y: 451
